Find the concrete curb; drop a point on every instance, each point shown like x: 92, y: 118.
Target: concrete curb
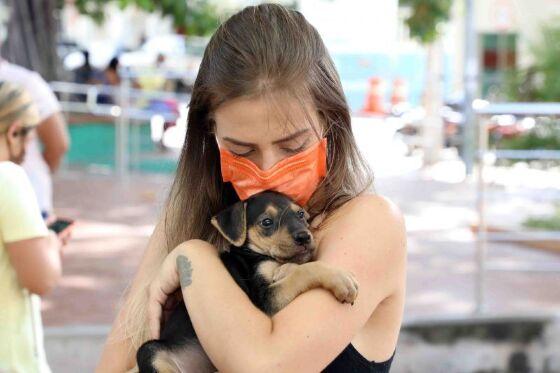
x: 485, y: 343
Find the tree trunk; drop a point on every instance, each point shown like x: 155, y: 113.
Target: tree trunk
x: 432, y: 101
x: 31, y: 41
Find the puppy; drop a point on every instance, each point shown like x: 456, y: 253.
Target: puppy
x: 269, y: 258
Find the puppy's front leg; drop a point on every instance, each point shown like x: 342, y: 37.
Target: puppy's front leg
x: 296, y: 279
x: 283, y: 271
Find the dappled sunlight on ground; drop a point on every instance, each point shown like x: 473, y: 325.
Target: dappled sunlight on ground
x: 114, y: 221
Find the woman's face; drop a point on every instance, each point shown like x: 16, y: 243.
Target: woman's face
x: 251, y: 128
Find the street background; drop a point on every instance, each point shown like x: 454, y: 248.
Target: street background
x: 425, y: 80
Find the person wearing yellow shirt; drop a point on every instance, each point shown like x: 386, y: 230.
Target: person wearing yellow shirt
x: 30, y: 263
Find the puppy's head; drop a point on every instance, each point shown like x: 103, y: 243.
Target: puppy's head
x: 270, y: 224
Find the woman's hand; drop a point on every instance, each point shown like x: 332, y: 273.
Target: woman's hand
x: 64, y: 236
x: 162, y: 293
x: 55, y: 243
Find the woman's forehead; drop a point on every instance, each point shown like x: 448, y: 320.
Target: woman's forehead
x: 255, y: 118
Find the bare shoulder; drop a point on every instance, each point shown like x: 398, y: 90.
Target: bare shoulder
x: 372, y: 224
x: 373, y: 206
x: 368, y: 214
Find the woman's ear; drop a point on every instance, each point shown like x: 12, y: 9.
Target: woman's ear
x: 13, y: 130
x: 232, y: 223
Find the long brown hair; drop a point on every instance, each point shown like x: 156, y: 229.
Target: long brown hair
x: 260, y: 50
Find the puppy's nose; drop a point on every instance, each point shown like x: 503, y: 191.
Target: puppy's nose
x: 302, y: 237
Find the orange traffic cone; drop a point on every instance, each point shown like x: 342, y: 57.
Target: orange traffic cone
x: 374, y: 97
x: 400, y: 92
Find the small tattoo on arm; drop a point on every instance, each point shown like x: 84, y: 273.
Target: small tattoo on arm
x: 185, y: 271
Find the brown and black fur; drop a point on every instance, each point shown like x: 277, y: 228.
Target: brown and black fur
x: 269, y: 258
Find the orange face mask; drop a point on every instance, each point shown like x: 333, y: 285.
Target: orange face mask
x: 296, y: 176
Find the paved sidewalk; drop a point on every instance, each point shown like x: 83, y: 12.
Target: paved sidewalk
x: 441, y: 261
x: 114, y: 221
x: 116, y: 218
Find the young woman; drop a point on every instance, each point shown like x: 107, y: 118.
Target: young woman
x: 266, y: 102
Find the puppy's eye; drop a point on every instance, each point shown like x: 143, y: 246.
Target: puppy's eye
x: 301, y: 214
x: 267, y: 222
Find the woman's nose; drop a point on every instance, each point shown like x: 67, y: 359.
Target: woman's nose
x: 268, y: 160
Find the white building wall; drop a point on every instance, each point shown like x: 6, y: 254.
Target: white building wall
x: 363, y: 26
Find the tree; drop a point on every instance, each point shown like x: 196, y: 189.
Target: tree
x: 424, y: 22
x: 540, y: 81
x: 33, y: 24
x: 425, y: 18
x: 192, y: 17
x: 31, y: 39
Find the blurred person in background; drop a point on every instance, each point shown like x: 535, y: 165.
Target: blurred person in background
x: 51, y: 133
x: 111, y: 73
x: 110, y: 77
x: 30, y: 261
x: 85, y: 74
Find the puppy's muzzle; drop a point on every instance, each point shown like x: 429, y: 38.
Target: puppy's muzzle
x: 302, y: 238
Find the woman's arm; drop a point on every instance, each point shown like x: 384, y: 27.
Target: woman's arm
x: 366, y: 237
x: 37, y: 262
x: 118, y: 355
x: 53, y: 133
x: 34, y: 251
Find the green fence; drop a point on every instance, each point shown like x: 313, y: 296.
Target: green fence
x: 93, y: 147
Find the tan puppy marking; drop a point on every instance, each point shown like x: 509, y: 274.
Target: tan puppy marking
x: 189, y: 358
x: 296, y: 208
x: 307, y: 276
x: 164, y: 363
x: 267, y: 269
x: 271, y: 210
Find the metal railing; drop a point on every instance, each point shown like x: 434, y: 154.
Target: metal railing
x: 122, y: 111
x: 123, y: 95
x: 483, y: 109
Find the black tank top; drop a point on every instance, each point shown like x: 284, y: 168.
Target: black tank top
x: 351, y: 361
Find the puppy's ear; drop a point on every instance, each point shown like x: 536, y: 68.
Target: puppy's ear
x: 232, y: 223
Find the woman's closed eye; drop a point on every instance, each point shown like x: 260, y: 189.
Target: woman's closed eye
x: 242, y: 154
x: 295, y: 149
x: 290, y: 149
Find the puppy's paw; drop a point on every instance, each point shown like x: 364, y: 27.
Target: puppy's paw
x: 283, y: 271
x: 344, y: 286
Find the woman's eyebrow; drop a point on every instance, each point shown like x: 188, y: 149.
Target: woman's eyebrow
x: 237, y: 142
x: 283, y: 139
x: 292, y: 136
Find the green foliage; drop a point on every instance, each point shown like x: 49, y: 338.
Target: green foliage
x: 545, y: 135
x: 541, y: 80
x: 545, y: 222
x: 193, y: 17
x: 425, y: 18
x: 201, y: 19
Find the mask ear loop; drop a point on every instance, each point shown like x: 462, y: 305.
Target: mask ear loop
x: 326, y: 131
